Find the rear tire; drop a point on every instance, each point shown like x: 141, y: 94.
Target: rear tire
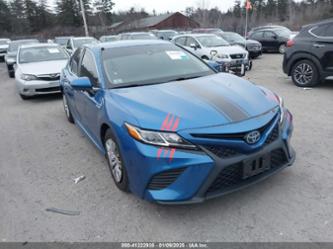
x: 304, y: 73
x: 282, y: 48
x: 115, y: 162
x: 11, y: 74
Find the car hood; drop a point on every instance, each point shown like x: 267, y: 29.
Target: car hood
x: 213, y: 100
x: 234, y: 49
x: 44, y: 67
x: 3, y: 46
x: 11, y: 54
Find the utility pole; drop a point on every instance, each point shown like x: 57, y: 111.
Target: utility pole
x: 83, y: 13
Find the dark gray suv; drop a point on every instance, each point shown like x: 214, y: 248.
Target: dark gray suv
x: 309, y: 56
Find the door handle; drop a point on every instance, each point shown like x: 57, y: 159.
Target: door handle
x: 316, y: 45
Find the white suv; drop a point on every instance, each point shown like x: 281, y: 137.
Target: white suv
x: 213, y: 47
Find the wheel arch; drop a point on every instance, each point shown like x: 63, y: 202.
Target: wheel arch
x: 303, y: 56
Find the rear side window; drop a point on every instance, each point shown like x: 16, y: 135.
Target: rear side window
x: 89, y: 69
x: 257, y: 35
x: 74, y: 63
x: 269, y: 35
x: 323, y: 30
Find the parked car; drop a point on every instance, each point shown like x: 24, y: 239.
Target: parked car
x: 62, y: 40
x: 271, y: 39
x: 4, y: 43
x: 253, y: 47
x: 75, y: 42
x: 138, y: 36
x: 271, y: 26
x: 109, y: 38
x: 213, y: 47
x: 172, y: 129
x: 207, y: 31
x: 166, y: 34
x: 10, y: 57
x: 38, y: 69
x: 309, y: 56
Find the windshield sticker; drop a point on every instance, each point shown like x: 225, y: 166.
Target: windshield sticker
x: 53, y: 50
x: 117, y: 81
x: 177, y: 55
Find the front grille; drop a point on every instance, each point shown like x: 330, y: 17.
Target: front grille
x: 49, y: 78
x: 273, y: 135
x: 164, y: 179
x: 50, y: 89
x: 233, y: 135
x: 221, y: 152
x: 232, y: 176
x: 237, y: 56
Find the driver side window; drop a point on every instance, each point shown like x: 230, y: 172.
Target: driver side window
x: 191, y: 41
x: 89, y: 69
x: 74, y: 62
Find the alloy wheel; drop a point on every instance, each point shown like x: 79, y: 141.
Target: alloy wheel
x: 303, y: 73
x: 114, y: 160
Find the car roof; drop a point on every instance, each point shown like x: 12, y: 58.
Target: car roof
x: 124, y: 43
x: 81, y: 37
x: 198, y: 34
x: 37, y: 45
x: 25, y: 40
x: 330, y: 20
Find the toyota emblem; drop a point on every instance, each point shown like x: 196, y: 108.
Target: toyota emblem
x: 252, y: 137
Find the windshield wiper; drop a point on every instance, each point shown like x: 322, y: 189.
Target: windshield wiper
x: 186, y: 78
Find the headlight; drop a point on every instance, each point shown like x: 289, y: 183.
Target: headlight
x: 223, y: 56
x: 158, y: 138
x: 10, y: 60
x: 281, y: 103
x: 28, y: 77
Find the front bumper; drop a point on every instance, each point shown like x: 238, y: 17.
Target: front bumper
x: 194, y: 176
x: 37, y: 87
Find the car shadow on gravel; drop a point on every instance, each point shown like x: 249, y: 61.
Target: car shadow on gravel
x: 45, y: 98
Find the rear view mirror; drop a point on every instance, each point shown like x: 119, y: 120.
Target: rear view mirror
x: 82, y: 83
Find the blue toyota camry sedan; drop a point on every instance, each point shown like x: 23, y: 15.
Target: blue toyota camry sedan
x: 172, y: 129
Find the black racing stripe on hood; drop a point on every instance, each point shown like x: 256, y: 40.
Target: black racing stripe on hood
x: 223, y: 105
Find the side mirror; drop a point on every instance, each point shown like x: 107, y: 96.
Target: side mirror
x: 275, y: 37
x: 192, y: 45
x: 82, y: 83
x: 213, y: 53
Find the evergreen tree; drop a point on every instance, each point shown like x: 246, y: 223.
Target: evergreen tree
x: 5, y: 20
x: 68, y: 13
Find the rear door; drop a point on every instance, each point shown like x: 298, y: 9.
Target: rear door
x: 259, y: 36
x: 270, y: 40
x: 323, y: 46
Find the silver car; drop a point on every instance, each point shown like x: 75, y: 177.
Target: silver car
x: 213, y: 47
x: 10, y: 57
x: 38, y: 69
x: 4, y: 43
x: 74, y: 42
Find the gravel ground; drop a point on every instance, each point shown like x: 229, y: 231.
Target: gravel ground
x: 40, y: 154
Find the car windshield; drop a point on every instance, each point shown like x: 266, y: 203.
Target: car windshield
x: 80, y: 42
x: 168, y: 34
x: 150, y: 64
x: 38, y: 54
x: 211, y: 41
x: 61, y: 40
x: 143, y: 37
x: 233, y: 37
x: 13, y: 46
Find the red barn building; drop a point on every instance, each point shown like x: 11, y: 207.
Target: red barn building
x: 166, y: 21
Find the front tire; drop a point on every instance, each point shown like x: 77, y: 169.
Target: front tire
x: 25, y: 97
x: 68, y: 112
x: 115, y: 162
x: 305, y: 74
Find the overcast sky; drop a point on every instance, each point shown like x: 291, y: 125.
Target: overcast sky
x: 162, y: 6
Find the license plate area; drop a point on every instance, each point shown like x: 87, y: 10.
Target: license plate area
x: 255, y: 166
